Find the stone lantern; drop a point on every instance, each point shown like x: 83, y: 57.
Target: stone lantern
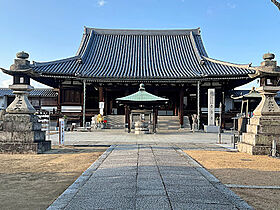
x: 263, y: 127
x: 21, y: 85
x: 20, y: 131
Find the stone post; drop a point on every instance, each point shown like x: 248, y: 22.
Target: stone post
x: 263, y: 127
x: 211, y: 127
x: 21, y: 131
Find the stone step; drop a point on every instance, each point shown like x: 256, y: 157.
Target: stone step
x: 265, y: 120
x: 259, y: 139
x: 115, y: 121
x: 168, y: 123
x: 260, y: 129
x: 253, y: 150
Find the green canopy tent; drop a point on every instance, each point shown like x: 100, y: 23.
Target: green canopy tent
x: 141, y: 99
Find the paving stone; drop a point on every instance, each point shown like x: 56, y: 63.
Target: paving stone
x: 192, y: 206
x: 211, y: 196
x: 145, y: 184
x: 148, y: 177
x: 170, y: 182
x: 146, y: 192
x: 151, y: 168
x: 102, y: 201
x: 152, y: 202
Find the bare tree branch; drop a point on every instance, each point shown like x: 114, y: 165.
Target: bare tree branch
x: 277, y: 4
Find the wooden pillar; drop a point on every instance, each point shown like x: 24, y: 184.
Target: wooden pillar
x: 106, y: 102
x: 84, y: 103
x: 127, y: 118
x: 224, y: 110
x: 198, y: 105
x: 155, y: 112
x: 101, y: 94
x: 59, y: 99
x: 101, y: 99
x: 181, y: 107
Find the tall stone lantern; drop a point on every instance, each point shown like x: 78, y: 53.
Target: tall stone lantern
x: 20, y: 131
x: 264, y: 126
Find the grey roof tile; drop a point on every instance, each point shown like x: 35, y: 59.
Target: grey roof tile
x: 141, y: 54
x: 46, y: 92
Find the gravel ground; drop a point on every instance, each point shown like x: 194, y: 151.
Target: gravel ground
x: 244, y: 169
x: 35, y: 181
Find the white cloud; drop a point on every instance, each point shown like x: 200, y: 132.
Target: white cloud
x: 209, y: 11
x: 101, y: 3
x: 231, y: 5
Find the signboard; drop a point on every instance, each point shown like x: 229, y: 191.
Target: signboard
x: 101, y: 108
x: 61, y: 130
x: 211, y: 107
x: 101, y: 105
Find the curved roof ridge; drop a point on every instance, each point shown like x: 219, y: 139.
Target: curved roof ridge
x: 84, y: 54
x: 35, y: 63
x: 142, y: 31
x: 197, y: 52
x: 247, y: 66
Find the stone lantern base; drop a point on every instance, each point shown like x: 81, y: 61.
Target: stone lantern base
x: 264, y: 126
x: 261, y: 131
x: 21, y: 134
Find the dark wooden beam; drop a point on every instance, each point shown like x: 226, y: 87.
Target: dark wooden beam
x: 101, y: 94
x: 181, y: 106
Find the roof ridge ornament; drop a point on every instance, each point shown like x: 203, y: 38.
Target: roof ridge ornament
x: 142, y: 87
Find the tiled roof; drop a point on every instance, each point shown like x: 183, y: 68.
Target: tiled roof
x: 142, y: 96
x: 239, y: 94
x: 141, y: 54
x: 35, y: 92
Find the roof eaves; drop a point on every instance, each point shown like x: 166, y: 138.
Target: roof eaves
x: 244, y: 66
x: 35, y: 64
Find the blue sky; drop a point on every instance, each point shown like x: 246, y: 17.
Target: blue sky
x: 238, y: 31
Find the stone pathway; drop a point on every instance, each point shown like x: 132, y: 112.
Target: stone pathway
x: 148, y: 177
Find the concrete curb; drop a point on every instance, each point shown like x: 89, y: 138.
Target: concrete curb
x: 64, y: 199
x: 231, y: 196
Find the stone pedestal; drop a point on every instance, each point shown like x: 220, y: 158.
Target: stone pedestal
x: 21, y: 133
x: 211, y: 128
x: 264, y: 126
x: 141, y: 127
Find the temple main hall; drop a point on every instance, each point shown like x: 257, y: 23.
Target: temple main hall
x: 112, y: 63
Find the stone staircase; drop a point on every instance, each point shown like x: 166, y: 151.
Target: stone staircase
x: 172, y: 123
x: 165, y: 123
x: 115, y: 121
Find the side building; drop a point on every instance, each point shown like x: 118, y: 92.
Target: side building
x: 112, y: 63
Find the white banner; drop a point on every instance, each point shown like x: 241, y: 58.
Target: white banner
x: 61, y: 130
x: 211, y: 107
